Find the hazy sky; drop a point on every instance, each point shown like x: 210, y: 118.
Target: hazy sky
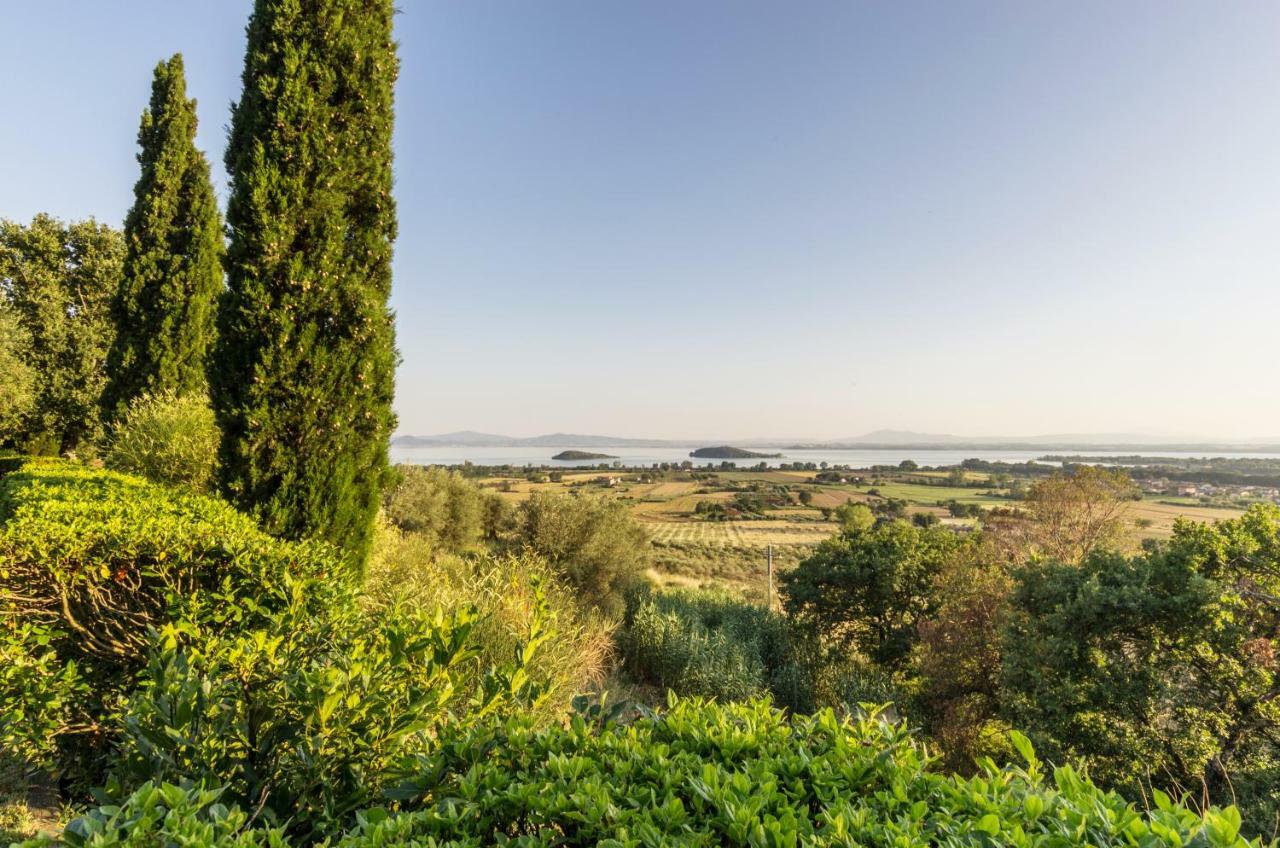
x: 730, y: 219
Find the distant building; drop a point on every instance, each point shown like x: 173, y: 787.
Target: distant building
x: 1188, y: 490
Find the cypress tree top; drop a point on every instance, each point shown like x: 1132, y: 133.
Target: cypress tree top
x: 165, y: 308
x: 304, y: 375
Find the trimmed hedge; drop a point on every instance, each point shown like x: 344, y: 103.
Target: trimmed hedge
x: 92, y: 565
x: 104, y: 556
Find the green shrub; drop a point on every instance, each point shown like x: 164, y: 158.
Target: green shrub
x: 504, y: 591
x: 441, y: 506
x: 1160, y: 666
x: 697, y: 774
x: 868, y: 590
x: 91, y: 562
x: 165, y: 815
x: 593, y: 542
x: 166, y: 439
x: 39, y: 699
x: 306, y: 720
x: 105, y: 556
x: 746, y: 774
x: 712, y: 644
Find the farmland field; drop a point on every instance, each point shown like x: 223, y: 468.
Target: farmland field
x: 690, y: 549
x: 757, y: 534
x: 1162, y: 516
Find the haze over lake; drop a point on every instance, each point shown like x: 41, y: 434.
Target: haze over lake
x: 853, y: 457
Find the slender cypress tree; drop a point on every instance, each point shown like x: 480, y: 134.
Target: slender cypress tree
x: 303, y: 377
x: 164, y: 310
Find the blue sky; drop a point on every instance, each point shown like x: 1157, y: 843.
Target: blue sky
x: 728, y: 218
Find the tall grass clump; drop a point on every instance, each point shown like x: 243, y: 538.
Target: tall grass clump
x: 505, y: 591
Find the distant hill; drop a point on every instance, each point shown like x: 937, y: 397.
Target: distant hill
x: 729, y: 452
x: 1051, y: 441
x: 464, y: 438
x: 875, y: 439
x: 908, y: 437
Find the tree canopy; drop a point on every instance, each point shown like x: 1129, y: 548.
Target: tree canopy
x: 58, y: 279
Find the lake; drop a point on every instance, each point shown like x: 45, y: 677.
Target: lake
x: 854, y: 458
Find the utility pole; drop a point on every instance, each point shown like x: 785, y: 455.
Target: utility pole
x: 770, y: 601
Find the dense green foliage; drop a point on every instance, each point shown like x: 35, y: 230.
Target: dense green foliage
x: 17, y: 377
x: 308, y: 718
x: 164, y: 307
x: 167, y: 439
x: 713, y: 644
x: 594, y: 543
x: 1161, y: 668
x: 869, y: 589
x: 167, y: 815
x: 310, y: 705
x: 59, y: 279
x: 440, y: 506
x: 90, y: 563
x: 303, y: 374
x: 698, y: 774
x: 151, y: 634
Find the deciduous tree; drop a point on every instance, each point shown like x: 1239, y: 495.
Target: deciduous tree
x: 58, y: 279
x: 868, y: 589
x: 17, y: 378
x: 1069, y: 515
x: 1161, y: 668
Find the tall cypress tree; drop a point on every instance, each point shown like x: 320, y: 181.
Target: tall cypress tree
x: 165, y: 308
x: 303, y: 377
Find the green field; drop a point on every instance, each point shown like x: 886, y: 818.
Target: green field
x: 926, y: 495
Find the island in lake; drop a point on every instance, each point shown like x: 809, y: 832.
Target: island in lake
x: 580, y: 455
x: 728, y: 452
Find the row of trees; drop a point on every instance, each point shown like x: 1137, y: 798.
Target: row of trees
x: 294, y: 347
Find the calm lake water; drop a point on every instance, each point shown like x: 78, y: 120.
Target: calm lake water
x: 858, y: 458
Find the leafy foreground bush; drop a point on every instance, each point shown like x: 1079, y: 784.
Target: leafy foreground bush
x: 166, y: 815
x: 308, y: 721
x: 153, y: 635
x: 712, y: 644
x: 167, y: 439
x: 707, y: 775
x: 91, y: 563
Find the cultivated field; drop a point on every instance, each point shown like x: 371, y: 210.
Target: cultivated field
x: 690, y: 549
